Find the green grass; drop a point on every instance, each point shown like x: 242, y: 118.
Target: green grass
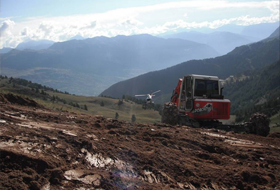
x: 125, y: 111
x: 275, y: 123
x: 274, y: 130
x: 275, y: 119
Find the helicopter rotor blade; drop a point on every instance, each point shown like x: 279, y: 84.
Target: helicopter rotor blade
x: 141, y: 95
x: 155, y: 92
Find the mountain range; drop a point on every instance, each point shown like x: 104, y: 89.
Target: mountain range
x: 77, y: 37
x: 223, y: 42
x: 226, y: 38
x: 255, y: 32
x: 260, y: 31
x: 5, y: 50
x: 35, y: 45
x: 30, y: 45
x: 69, y: 66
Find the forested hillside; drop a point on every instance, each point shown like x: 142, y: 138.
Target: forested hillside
x: 257, y: 91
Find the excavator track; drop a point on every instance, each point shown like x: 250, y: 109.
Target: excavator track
x: 258, y: 124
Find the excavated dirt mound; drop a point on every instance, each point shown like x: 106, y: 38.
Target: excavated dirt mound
x: 14, y: 99
x: 45, y: 150
x: 274, y: 135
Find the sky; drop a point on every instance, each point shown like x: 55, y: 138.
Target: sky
x: 59, y: 20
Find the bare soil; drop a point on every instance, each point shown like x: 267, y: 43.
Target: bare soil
x: 41, y: 149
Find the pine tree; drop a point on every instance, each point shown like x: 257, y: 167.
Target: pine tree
x: 11, y: 80
x: 133, y: 118
x: 77, y: 105
x: 116, y: 115
x: 102, y: 104
x: 85, y: 107
x: 120, y: 102
x: 53, y: 99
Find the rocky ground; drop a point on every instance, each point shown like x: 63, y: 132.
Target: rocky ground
x: 41, y: 149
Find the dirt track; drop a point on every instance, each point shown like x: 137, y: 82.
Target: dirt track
x: 42, y: 149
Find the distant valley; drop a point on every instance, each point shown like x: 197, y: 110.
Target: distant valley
x: 89, y: 66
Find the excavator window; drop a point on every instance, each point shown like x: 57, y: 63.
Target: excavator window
x: 208, y: 88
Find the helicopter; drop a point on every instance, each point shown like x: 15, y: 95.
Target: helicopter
x: 149, y: 97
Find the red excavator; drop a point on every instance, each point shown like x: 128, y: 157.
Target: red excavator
x: 198, y: 101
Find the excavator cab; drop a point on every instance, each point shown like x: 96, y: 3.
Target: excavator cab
x: 200, y: 96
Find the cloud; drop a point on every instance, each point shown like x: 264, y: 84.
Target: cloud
x: 181, y: 24
x: 6, y: 26
x: 25, y: 31
x: 154, y: 19
x: 91, y: 25
x: 7, y: 39
x: 46, y: 28
x: 130, y: 22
